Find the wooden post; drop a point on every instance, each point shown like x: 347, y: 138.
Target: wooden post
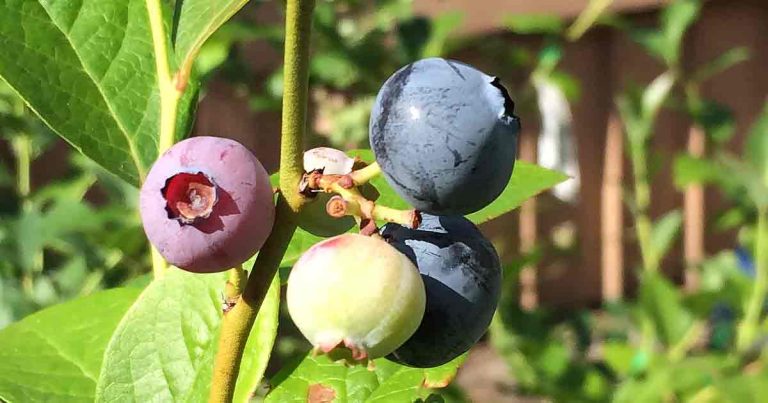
x: 612, y: 212
x: 693, y: 213
x: 529, y: 296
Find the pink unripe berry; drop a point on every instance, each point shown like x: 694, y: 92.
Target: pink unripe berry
x: 207, y: 204
x: 356, y: 292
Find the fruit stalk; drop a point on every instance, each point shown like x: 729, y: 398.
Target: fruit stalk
x: 355, y: 204
x: 237, y: 323
x: 364, y: 175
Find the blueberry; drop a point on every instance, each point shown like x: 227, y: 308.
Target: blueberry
x: 462, y: 276
x: 355, y: 292
x: 207, y: 204
x: 445, y: 136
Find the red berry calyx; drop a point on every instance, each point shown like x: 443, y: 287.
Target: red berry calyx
x: 189, y: 196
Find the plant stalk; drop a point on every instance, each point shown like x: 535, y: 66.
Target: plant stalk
x: 749, y: 326
x: 643, y: 225
x: 298, y: 25
x: 237, y: 323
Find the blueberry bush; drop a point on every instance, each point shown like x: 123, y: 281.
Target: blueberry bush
x: 119, y: 81
x: 160, y: 268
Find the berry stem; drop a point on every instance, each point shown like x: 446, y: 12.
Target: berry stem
x: 237, y: 323
x: 364, y: 175
x: 355, y: 204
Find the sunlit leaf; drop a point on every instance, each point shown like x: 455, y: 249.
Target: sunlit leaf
x: 534, y: 24
x: 665, y: 230
x: 56, y: 354
x: 92, y: 82
x: 388, y: 382
x: 171, y: 335
x: 661, y: 302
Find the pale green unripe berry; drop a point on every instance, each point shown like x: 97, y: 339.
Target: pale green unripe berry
x: 356, y: 292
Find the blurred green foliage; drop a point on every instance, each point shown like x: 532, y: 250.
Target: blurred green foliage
x: 74, y: 234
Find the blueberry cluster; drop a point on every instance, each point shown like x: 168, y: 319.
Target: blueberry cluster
x: 422, y: 289
x: 445, y: 137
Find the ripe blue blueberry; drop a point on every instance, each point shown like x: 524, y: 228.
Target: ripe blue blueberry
x: 462, y: 276
x: 445, y: 136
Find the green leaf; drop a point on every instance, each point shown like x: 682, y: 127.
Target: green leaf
x: 756, y: 147
x: 87, y: 69
x: 618, y: 356
x: 388, y: 382
x: 747, y: 175
x: 666, y: 42
x: 55, y: 354
x: 689, y: 170
x: 716, y: 120
x: 165, y: 346
x: 534, y: 24
x: 198, y: 20
x: 742, y: 388
x: 660, y: 300
x: 527, y: 181
x: 443, y: 26
x: 656, y: 93
x: 664, y: 232
x: 676, y: 18
x: 258, y: 348
x: 725, y: 61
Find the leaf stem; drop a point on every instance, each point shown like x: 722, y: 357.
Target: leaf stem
x: 237, y: 323
x: 169, y: 99
x: 748, y: 327
x: 169, y: 93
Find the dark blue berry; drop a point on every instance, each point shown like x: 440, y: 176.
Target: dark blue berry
x: 445, y: 136
x: 462, y: 276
